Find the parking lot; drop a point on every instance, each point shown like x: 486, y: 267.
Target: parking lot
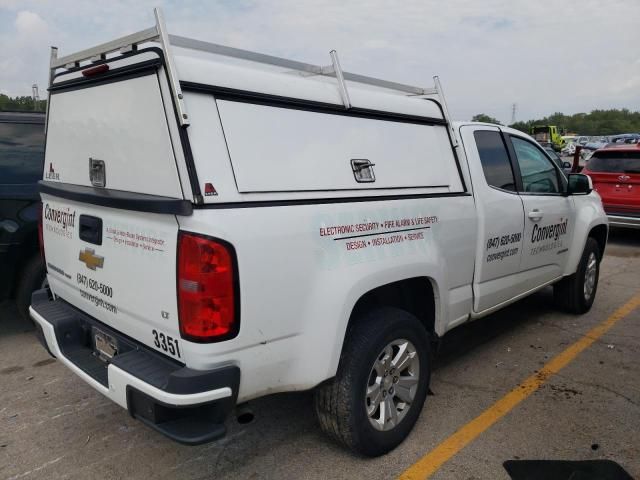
x: 52, y: 425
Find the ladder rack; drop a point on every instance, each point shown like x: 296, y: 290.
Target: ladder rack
x: 158, y: 33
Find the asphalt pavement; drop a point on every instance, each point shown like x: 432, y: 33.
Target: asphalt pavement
x: 53, y: 425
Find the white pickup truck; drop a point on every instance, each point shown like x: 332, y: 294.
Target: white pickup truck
x: 219, y: 225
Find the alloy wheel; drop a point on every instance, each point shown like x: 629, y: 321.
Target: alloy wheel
x: 392, y: 384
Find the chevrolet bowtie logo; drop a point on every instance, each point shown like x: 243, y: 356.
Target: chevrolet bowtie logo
x: 90, y: 259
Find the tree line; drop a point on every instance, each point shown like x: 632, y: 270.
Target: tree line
x: 21, y: 104
x: 598, y: 122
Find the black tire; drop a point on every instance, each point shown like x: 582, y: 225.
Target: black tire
x: 569, y: 294
x: 31, y: 278
x: 340, y: 403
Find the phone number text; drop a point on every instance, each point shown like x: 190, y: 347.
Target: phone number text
x: 94, y: 285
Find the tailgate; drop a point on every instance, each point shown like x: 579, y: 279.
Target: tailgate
x: 126, y: 279
x: 617, y: 188
x: 107, y: 251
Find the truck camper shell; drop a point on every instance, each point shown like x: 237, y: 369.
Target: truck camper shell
x: 324, y: 130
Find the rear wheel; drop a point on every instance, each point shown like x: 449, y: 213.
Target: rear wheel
x: 32, y: 277
x: 576, y: 293
x: 381, y: 385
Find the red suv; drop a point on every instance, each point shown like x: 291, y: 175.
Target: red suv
x: 615, y: 172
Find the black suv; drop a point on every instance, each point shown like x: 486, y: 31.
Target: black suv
x: 21, y: 166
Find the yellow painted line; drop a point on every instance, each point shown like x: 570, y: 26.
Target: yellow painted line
x: 432, y: 461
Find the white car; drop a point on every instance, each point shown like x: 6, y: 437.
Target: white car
x: 569, y: 149
x: 223, y: 226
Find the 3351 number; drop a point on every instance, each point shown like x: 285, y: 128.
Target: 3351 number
x: 166, y: 343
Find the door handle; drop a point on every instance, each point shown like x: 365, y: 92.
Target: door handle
x: 535, y: 214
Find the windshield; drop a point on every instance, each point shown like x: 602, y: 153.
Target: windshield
x: 615, y: 162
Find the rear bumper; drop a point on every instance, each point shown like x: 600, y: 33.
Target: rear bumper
x: 188, y: 406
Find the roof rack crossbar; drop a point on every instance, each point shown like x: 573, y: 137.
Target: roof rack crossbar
x: 189, y: 43
x: 104, y: 48
x: 192, y: 44
x: 158, y: 33
x: 342, y: 86
x: 172, y: 74
x: 53, y: 56
x: 445, y: 109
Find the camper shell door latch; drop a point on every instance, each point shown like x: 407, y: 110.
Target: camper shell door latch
x: 363, y: 170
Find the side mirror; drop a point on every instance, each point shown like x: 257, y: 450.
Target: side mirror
x: 579, y: 184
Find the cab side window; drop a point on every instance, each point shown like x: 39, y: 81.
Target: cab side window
x: 538, y: 173
x: 495, y: 160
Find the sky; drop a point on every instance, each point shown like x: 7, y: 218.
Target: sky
x: 545, y: 56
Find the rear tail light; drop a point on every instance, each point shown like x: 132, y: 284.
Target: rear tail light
x: 40, y: 236
x: 207, y: 289
x: 97, y: 70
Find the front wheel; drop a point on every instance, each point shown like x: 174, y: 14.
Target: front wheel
x: 381, y: 384
x: 576, y: 293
